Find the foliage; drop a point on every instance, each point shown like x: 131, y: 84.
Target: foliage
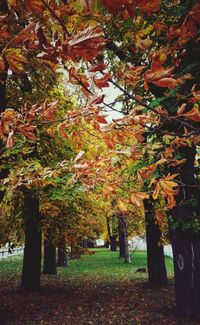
x: 65, y: 147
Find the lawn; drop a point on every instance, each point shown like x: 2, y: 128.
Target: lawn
x: 105, y: 266
x: 97, y: 289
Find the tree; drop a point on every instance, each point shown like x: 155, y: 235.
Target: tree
x: 49, y: 266
x: 159, y: 91
x: 62, y: 253
x: 32, y: 250
x: 112, y: 232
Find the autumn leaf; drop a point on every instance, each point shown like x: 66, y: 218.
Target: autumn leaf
x: 102, y: 82
x: 161, y: 77
x: 146, y: 172
x: 48, y: 110
x: 149, y: 6
x: 193, y: 114
x: 87, y: 43
x: 98, y: 67
x: 15, y: 59
x: 138, y: 197
x: 196, y: 93
x: 28, y: 131
x: 160, y: 216
x: 165, y: 186
x: 114, y: 6
x: 101, y: 119
x: 2, y: 64
x: 36, y: 6
x: 190, y: 24
x: 122, y: 205
x: 27, y: 37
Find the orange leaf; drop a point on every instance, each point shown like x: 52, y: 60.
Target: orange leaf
x: 138, y: 197
x: 161, y: 77
x: 193, y: 114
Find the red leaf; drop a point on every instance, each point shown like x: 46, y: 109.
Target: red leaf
x: 103, y: 82
x: 101, y: 119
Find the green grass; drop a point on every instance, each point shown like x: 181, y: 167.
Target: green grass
x: 103, y: 266
x: 106, y: 266
x: 11, y: 266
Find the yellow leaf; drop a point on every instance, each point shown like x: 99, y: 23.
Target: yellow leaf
x: 122, y: 205
x: 156, y: 192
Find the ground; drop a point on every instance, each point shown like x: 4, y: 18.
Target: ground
x: 98, y: 289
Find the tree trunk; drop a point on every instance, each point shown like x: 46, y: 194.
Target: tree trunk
x: 112, y: 238
x: 186, y: 243
x: 107, y: 244
x: 186, y: 251
x: 32, y: 252
x: 122, y: 245
x: 62, y: 253
x: 124, y: 232
x: 84, y: 243
x: 157, y: 275
x: 113, y: 243
x: 49, y: 266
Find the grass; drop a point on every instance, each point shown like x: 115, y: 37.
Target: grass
x: 104, y: 266
x: 97, y: 289
x: 11, y: 266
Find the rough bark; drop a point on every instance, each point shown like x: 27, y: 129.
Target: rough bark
x: 186, y: 244
x: 32, y: 252
x: 49, y: 266
x: 62, y: 253
x: 157, y: 275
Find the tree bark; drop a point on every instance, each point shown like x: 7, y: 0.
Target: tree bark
x: 49, y: 266
x: 62, y: 253
x: 157, y: 274
x: 113, y: 243
x: 112, y: 237
x: 186, y: 251
x: 32, y: 252
x: 186, y: 243
x: 122, y: 245
x: 123, y: 223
